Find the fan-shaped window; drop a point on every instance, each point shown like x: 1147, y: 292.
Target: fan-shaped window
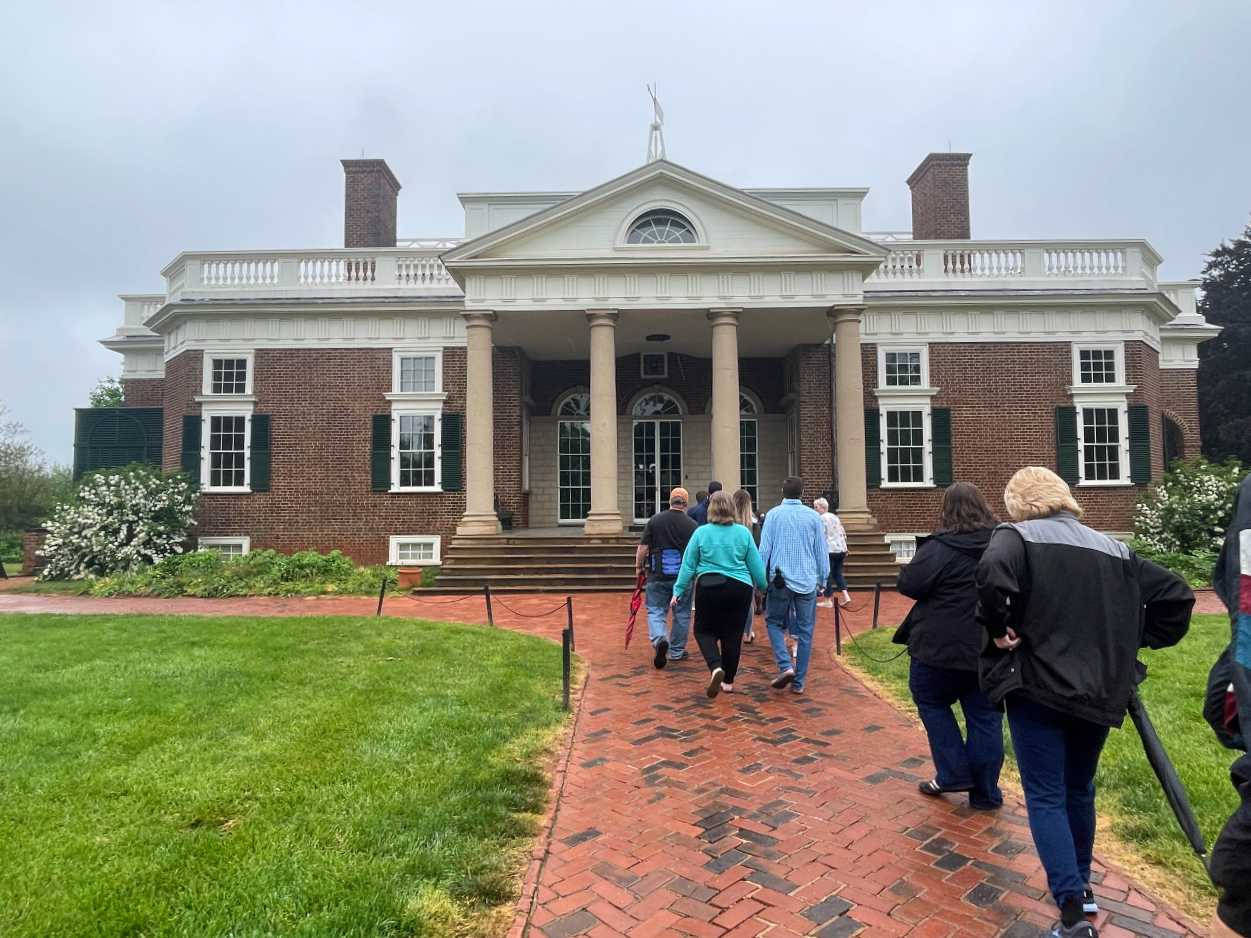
x: 577, y: 404
x: 746, y: 406
x: 661, y: 226
x: 657, y: 405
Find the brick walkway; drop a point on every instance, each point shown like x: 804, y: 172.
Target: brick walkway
x: 758, y: 813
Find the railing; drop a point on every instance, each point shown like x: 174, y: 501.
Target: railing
x: 1027, y: 264
x: 349, y: 272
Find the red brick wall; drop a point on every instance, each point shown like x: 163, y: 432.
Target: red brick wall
x: 508, y: 366
x: 1003, y: 398
x: 370, y: 191
x: 143, y: 392
x: 321, y: 402
x: 816, y: 453
x: 940, y: 196
x: 32, y: 543
x: 1179, y: 398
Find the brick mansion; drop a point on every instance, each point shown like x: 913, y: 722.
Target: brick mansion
x: 575, y: 355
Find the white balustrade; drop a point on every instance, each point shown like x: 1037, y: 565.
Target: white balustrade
x: 421, y: 271
x: 901, y: 265
x: 1083, y: 262
x: 984, y: 262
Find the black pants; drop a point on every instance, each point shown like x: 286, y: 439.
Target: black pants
x: 1231, y: 856
x: 719, y: 615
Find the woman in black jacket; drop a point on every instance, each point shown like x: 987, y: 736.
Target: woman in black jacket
x: 1067, y: 609
x: 944, y: 641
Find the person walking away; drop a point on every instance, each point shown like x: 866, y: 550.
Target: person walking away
x: 721, y: 566
x: 659, y: 554
x: 699, y: 511
x: 797, y: 564
x: 744, y: 515
x: 1067, y: 609
x: 944, y: 641
x: 836, y: 546
x: 1231, y: 854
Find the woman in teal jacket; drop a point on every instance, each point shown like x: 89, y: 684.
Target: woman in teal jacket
x: 722, y: 564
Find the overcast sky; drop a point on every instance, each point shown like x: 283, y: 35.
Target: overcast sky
x: 130, y: 132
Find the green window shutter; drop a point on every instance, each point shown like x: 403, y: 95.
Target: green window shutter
x: 872, y: 449
x: 940, y: 442
x: 260, y: 452
x: 1066, y: 444
x: 380, y: 454
x: 453, y: 457
x: 1139, y: 444
x: 191, y: 447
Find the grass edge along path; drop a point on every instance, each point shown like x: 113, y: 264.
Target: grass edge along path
x: 1137, y: 831
x: 174, y: 775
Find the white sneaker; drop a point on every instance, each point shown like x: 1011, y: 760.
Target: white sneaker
x: 826, y: 603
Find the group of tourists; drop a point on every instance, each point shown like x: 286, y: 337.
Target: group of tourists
x: 1040, y: 618
x: 717, y: 556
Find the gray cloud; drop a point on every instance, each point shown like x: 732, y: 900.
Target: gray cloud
x: 132, y: 131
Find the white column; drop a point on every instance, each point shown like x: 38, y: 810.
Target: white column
x: 725, y: 406
x: 479, y: 517
x: 605, y: 515
x: 853, y: 501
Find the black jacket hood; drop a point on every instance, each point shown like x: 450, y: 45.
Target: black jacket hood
x: 971, y: 543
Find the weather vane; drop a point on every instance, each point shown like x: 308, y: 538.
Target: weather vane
x: 656, y: 133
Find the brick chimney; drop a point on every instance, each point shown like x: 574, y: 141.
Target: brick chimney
x: 940, y: 197
x: 370, y: 190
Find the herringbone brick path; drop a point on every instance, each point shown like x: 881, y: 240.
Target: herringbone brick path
x: 757, y: 813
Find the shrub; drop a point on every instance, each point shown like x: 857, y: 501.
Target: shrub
x: 259, y: 573
x: 1188, y: 510
x: 119, y: 520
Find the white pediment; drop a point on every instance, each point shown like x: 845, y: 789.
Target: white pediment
x: 729, y: 223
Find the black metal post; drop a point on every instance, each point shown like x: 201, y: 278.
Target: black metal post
x: 838, y: 629
x: 877, y: 600
x: 486, y: 592
x: 566, y: 646
x: 569, y: 611
x: 382, y: 590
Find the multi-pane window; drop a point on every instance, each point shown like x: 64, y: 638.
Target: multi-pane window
x: 573, y: 457
x: 226, y: 546
x: 416, y: 451
x: 1101, y: 444
x: 1096, y: 366
x: 418, y: 373
x: 748, y: 447
x: 902, y: 369
x: 905, y: 446
x: 414, y: 551
x: 229, y: 376
x: 227, y: 451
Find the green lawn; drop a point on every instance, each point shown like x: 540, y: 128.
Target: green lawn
x: 1129, y: 795
x: 188, y: 776
x: 12, y: 569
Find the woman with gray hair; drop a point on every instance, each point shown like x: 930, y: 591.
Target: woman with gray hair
x: 1067, y: 609
x: 836, y: 547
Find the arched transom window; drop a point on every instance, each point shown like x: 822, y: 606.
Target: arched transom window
x: 577, y: 404
x: 657, y: 404
x: 746, y: 406
x: 661, y: 226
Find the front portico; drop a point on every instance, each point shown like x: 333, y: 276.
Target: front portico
x: 661, y: 265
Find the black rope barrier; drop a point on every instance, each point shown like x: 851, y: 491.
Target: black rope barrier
x: 446, y: 602
x: 533, y: 615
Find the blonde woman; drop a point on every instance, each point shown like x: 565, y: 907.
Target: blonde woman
x: 721, y: 565
x: 744, y: 515
x: 1067, y: 609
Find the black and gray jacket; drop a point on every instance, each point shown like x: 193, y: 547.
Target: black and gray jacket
x: 1082, y: 604
x: 941, y: 628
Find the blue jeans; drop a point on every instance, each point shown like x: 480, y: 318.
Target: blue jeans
x: 836, y: 577
x: 1057, y: 755
x: 971, y: 764
x: 786, y: 609
x: 658, y: 593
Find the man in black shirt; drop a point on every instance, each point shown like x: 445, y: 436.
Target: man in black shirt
x: 699, y: 513
x: 660, y: 554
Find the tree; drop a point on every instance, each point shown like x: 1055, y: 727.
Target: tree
x: 1225, y: 361
x: 28, y: 487
x: 107, y: 393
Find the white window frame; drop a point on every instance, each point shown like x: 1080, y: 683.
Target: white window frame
x: 435, y: 352
x: 229, y: 407
x: 243, y: 540
x: 921, y: 404
x: 393, y: 550
x: 411, y: 410
x: 923, y: 350
x: 206, y: 384
x: 1118, y: 351
x: 643, y: 372
x: 1119, y: 403
x: 896, y: 541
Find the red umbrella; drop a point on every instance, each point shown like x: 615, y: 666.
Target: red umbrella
x: 635, y: 602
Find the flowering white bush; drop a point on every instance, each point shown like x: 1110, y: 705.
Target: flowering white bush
x: 1188, y: 511
x: 120, y: 520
